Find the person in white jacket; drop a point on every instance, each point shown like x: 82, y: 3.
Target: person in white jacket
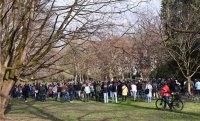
x: 133, y: 90
x: 149, y: 95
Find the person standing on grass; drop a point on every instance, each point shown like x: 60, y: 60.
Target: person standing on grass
x: 25, y: 92
x: 149, y: 95
x: 59, y: 88
x: 155, y: 90
x: 139, y: 89
x: 143, y: 90
x: 133, y: 90
x: 82, y: 98
x: 91, y: 90
x: 64, y: 91
x: 176, y: 87
x: 165, y: 91
x: 78, y: 90
x: 119, y: 91
x: 71, y: 92
x: 98, y: 92
x: 114, y: 91
x: 55, y: 92
x: 87, y: 92
x: 105, y: 92
x: 50, y: 92
x: 124, y: 92
x: 110, y: 89
x: 42, y: 92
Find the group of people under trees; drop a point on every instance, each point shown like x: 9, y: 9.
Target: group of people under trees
x: 99, y: 91
x: 68, y: 91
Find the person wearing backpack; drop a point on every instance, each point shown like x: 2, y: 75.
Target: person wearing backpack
x: 114, y: 92
x: 148, y: 92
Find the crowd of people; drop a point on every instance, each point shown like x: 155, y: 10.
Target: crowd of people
x: 96, y: 90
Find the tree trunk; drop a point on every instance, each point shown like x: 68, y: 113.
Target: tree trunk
x: 123, y: 76
x: 88, y: 77
x: 75, y: 77
x: 4, y: 96
x: 188, y: 85
x: 76, y: 73
x: 80, y: 77
x: 110, y: 74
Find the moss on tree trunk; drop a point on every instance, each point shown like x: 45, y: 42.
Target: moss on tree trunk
x: 5, y: 96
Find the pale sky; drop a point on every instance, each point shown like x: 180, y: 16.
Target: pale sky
x: 150, y: 8
x: 155, y: 5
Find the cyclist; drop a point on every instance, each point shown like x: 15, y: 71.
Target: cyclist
x: 165, y: 91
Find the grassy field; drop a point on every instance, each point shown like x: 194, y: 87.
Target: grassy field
x: 97, y: 111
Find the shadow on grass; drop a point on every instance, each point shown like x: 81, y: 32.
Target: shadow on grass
x: 150, y: 108
x: 137, y: 106
x: 100, y: 111
x: 40, y: 113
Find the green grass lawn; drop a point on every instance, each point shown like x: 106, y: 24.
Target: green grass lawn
x: 97, y: 111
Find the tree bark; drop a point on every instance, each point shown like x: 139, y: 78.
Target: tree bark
x: 110, y: 74
x: 5, y: 96
x: 123, y: 76
x: 188, y: 85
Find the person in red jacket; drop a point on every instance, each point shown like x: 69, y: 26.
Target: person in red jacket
x: 166, y: 94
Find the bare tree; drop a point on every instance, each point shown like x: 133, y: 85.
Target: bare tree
x: 181, y: 26
x: 32, y: 30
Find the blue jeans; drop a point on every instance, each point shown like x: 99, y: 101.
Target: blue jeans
x: 42, y: 97
x: 142, y: 95
x: 149, y: 99
x: 134, y: 95
x: 71, y: 96
x: 55, y: 96
x: 65, y: 97
x: 111, y: 94
x: 78, y: 94
x: 166, y: 98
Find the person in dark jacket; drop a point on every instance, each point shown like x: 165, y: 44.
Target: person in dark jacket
x: 105, y: 92
x: 42, y: 92
x: 71, y: 92
x: 119, y: 89
x: 25, y: 92
x: 98, y: 92
x: 114, y: 92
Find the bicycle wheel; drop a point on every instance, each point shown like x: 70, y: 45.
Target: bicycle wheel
x: 195, y: 99
x: 159, y: 104
x: 177, y: 105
